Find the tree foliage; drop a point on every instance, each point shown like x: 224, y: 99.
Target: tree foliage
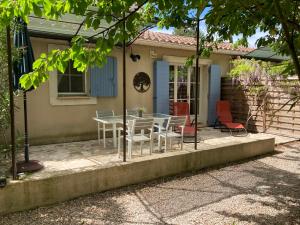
x: 4, y: 96
x: 280, y: 19
x: 137, y: 14
x: 188, y: 32
x: 4, y: 92
x: 260, y: 79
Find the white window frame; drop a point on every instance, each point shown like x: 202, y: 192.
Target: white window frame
x: 68, y: 98
x: 203, y: 92
x: 85, y: 93
x: 189, y: 72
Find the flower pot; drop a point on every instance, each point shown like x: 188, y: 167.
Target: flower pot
x: 140, y: 113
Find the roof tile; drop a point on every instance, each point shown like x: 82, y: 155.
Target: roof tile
x: 187, y: 41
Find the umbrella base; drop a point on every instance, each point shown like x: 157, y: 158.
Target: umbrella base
x: 30, y: 166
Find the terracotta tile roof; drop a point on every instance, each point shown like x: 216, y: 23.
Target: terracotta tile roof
x: 186, y: 41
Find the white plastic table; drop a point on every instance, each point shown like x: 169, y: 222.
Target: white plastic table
x: 114, y: 120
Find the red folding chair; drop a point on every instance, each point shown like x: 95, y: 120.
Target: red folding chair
x: 183, y: 109
x: 224, y: 117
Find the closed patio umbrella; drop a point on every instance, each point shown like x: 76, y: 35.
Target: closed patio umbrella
x: 22, y: 65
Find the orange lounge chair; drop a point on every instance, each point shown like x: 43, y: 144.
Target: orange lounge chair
x: 224, y: 117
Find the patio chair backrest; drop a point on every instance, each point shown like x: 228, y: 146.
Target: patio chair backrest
x: 140, y: 124
x: 104, y: 113
x: 175, y: 122
x: 223, y: 111
x: 182, y: 109
x: 132, y: 112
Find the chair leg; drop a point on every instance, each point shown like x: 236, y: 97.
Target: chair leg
x: 171, y: 143
x: 98, y: 133
x: 159, y: 143
x: 129, y: 149
x: 141, y: 147
x: 151, y: 146
x: 181, y: 144
x: 104, y: 138
x: 166, y: 143
x: 119, y: 142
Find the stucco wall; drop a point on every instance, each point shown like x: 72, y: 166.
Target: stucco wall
x: 49, y: 123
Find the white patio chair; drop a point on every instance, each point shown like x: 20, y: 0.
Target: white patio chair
x: 174, y: 123
x: 104, y: 127
x: 135, y: 133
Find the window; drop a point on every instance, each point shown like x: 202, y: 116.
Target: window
x: 72, y: 82
x: 182, y: 86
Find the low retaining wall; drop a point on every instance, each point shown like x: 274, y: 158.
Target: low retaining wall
x: 27, y: 194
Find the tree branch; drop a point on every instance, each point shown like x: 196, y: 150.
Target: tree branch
x: 289, y: 38
x: 119, y: 21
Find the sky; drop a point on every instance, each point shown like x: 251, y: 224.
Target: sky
x: 251, y: 40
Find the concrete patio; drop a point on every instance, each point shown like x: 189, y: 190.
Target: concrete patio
x: 79, y: 168
x: 84, y: 154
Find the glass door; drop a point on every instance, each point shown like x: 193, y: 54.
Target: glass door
x: 171, y: 88
x: 182, y: 86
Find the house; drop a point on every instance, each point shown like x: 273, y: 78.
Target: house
x: 61, y: 109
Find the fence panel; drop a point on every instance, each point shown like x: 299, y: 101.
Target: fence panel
x: 274, y: 116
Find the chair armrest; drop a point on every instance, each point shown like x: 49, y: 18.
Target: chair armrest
x: 182, y: 129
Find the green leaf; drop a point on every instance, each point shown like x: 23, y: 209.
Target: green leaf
x: 37, y: 10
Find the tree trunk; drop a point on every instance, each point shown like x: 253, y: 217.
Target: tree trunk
x: 289, y: 38
x: 294, y: 57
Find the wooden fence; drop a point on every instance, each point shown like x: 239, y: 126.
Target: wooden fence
x: 271, y: 114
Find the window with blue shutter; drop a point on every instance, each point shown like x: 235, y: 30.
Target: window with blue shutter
x: 104, y: 80
x: 161, y: 87
x: 214, y: 93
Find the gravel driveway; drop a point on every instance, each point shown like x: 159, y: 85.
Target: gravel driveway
x: 261, y: 191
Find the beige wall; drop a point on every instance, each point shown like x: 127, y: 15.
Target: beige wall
x: 57, y: 123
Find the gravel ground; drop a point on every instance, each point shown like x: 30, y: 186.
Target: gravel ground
x: 261, y: 191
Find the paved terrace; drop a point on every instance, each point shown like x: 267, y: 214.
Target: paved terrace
x: 260, y: 191
x: 85, y: 167
x: 85, y: 154
x: 79, y: 155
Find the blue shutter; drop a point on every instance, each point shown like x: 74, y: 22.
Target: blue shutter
x: 214, y: 93
x: 161, y: 87
x: 104, y: 80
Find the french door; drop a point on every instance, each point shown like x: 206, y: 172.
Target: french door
x: 182, y: 86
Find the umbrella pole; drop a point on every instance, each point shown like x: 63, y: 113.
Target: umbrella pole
x: 26, y: 165
x: 26, y: 145
x: 197, y: 82
x: 11, y: 101
x: 124, y: 89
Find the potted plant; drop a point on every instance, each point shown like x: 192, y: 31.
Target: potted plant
x: 141, y: 110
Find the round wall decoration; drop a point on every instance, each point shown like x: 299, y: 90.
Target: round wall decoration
x: 141, y: 82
